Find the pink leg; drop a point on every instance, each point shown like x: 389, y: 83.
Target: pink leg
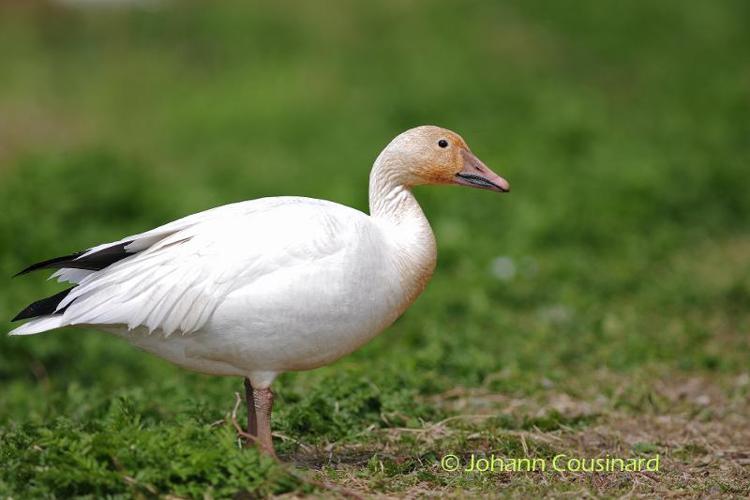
x: 252, y: 420
x: 263, y: 405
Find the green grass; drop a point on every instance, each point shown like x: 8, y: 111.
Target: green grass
x: 603, y: 307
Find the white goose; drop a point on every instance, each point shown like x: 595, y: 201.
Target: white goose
x: 260, y: 287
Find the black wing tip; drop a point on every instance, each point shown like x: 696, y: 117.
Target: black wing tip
x: 25, y: 314
x: 93, y: 261
x: 29, y: 269
x: 43, y: 307
x: 55, y: 263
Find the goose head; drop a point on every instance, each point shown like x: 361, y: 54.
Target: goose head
x: 434, y: 155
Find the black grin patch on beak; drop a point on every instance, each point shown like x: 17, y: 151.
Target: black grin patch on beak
x: 480, y: 181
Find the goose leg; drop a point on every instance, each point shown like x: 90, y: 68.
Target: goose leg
x: 252, y: 419
x: 263, y: 405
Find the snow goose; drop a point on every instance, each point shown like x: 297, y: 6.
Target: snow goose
x: 260, y: 287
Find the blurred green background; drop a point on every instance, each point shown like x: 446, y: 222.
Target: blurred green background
x: 624, y: 248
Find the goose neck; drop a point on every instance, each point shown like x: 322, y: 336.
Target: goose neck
x: 391, y: 198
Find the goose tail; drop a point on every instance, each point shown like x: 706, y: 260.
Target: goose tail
x: 38, y: 325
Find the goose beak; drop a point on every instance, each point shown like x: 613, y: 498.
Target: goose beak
x: 478, y: 175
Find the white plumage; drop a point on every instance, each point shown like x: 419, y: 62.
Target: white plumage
x: 221, y: 282
x: 260, y: 287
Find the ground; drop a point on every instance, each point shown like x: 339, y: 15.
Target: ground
x: 602, y: 308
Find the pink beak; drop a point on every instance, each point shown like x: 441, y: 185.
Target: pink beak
x: 478, y: 175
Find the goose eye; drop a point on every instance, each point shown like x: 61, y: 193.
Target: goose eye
x: 443, y: 143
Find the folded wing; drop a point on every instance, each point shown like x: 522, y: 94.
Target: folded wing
x: 172, y: 278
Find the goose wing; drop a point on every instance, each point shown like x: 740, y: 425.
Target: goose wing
x: 173, y: 277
